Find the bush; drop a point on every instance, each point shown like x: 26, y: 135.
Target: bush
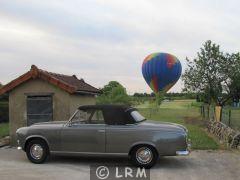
x: 114, y: 93
x: 4, y: 129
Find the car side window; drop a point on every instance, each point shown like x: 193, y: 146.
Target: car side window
x: 97, y: 117
x: 116, y: 117
x: 81, y: 117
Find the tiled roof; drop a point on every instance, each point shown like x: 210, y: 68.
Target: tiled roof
x: 71, y: 84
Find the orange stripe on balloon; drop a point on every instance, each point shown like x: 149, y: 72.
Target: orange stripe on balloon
x: 154, y: 84
x: 149, y: 57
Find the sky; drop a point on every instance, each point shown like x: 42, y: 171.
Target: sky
x: 104, y: 40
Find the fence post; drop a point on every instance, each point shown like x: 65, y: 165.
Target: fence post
x: 221, y: 111
x: 208, y: 111
x: 229, y: 118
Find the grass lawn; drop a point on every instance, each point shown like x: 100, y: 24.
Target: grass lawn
x: 185, y: 112
x: 4, y: 129
x: 235, y: 120
x: 3, y: 103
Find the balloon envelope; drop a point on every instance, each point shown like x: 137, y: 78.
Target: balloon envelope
x: 161, y: 71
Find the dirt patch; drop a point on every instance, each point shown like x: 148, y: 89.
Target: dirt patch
x: 195, y: 121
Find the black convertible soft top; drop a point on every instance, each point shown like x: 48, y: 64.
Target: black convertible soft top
x: 113, y: 114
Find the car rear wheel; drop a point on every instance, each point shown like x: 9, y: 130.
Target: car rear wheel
x: 144, y: 156
x: 37, y: 151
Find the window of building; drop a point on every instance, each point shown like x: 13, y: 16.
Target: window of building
x: 39, y: 109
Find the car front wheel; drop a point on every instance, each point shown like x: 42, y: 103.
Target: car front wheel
x: 144, y: 156
x: 37, y: 151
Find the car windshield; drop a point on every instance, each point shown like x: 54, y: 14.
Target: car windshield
x: 137, y: 116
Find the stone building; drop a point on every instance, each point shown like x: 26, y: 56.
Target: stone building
x: 40, y: 96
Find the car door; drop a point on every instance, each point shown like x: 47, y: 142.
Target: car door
x: 119, y: 135
x: 119, y: 138
x: 86, y: 132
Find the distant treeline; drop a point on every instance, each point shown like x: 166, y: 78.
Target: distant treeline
x: 169, y: 95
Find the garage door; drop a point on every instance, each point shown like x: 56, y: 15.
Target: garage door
x: 39, y: 109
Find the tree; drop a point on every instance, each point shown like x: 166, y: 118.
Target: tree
x: 203, y: 73
x: 113, y: 93
x: 214, y: 74
x: 231, y: 71
x: 107, y: 89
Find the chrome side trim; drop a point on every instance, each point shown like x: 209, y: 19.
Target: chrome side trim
x: 182, y: 153
x: 88, y: 153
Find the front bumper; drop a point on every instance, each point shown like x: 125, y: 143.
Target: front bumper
x: 19, y: 145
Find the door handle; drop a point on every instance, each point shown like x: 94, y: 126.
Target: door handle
x: 101, y: 130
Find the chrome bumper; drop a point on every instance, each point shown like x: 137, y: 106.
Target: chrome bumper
x: 19, y: 147
x: 185, y: 152
x: 182, y: 153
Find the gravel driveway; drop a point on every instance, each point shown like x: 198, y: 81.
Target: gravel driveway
x: 202, y: 165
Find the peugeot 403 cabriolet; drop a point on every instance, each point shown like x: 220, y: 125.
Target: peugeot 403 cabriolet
x: 104, y: 130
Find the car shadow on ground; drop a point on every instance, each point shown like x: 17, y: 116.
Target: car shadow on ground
x: 173, y: 163
x: 163, y: 162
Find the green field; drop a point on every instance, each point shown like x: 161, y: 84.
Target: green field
x: 235, y: 119
x: 231, y: 117
x: 4, y: 129
x: 185, y: 112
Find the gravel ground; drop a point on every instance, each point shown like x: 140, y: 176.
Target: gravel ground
x: 202, y: 165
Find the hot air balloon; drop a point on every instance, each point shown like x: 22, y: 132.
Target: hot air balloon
x: 161, y: 71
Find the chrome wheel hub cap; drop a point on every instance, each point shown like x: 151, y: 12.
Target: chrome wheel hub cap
x: 36, y: 151
x: 144, y: 155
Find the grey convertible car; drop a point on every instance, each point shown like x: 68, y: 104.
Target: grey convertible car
x: 104, y: 130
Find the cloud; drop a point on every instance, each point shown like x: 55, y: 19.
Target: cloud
x: 107, y: 40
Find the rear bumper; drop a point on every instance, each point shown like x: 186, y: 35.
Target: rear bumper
x: 185, y: 152
x: 182, y: 153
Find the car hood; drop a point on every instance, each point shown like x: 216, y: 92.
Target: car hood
x: 163, y: 126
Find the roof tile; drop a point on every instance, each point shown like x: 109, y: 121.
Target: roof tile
x: 71, y: 84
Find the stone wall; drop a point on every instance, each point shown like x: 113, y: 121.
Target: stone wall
x: 224, y: 133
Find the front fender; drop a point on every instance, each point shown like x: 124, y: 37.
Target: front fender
x: 35, y: 136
